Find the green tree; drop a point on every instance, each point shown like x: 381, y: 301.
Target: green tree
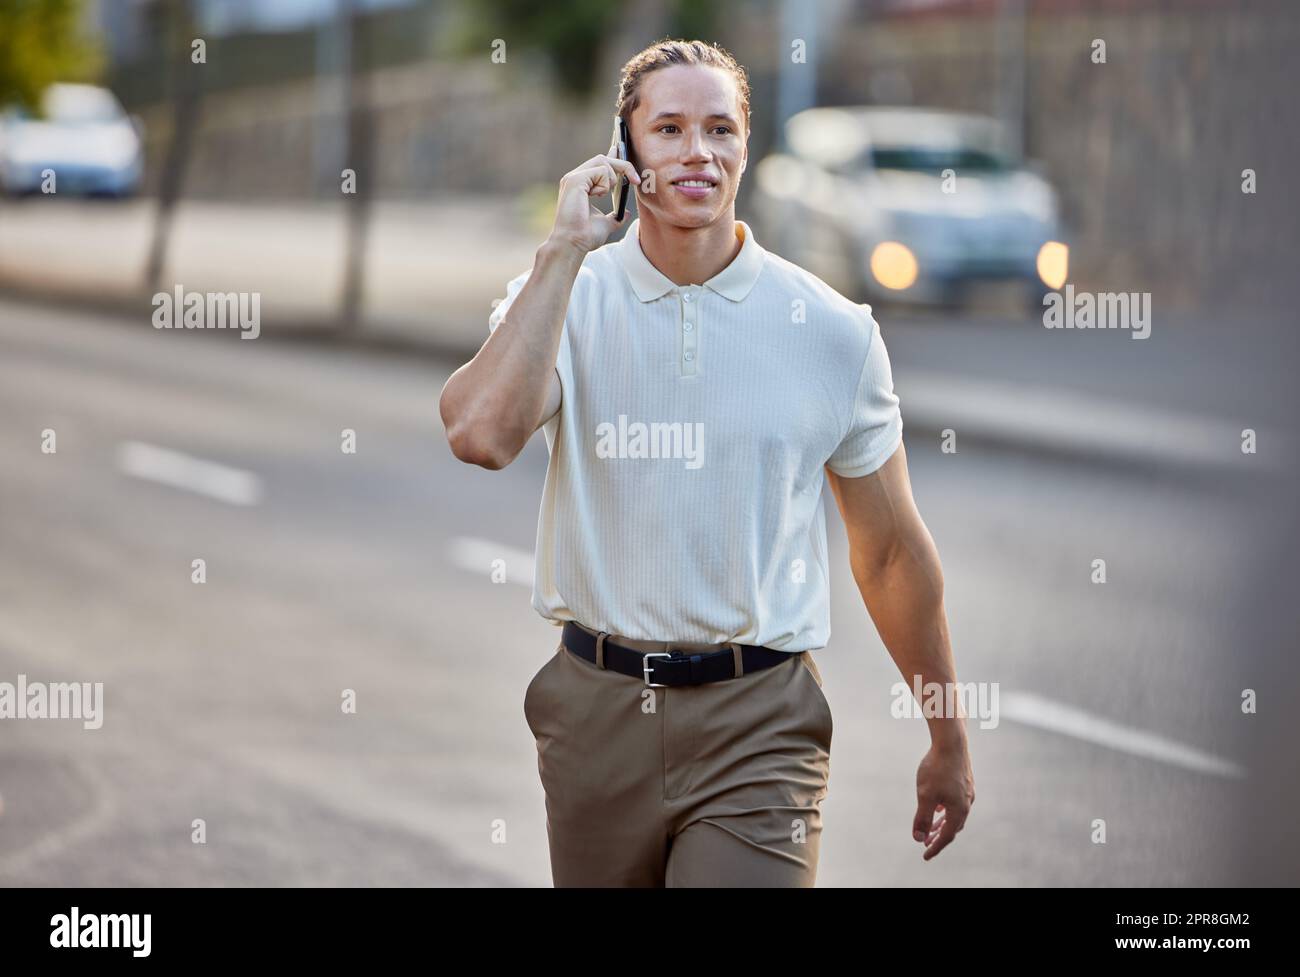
x: 573, y: 33
x: 40, y: 43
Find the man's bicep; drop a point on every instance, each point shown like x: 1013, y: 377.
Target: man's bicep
x: 877, y: 509
x: 554, y: 396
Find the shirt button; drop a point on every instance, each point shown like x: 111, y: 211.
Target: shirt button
x: 688, y: 326
x: 687, y: 297
x: 689, y: 356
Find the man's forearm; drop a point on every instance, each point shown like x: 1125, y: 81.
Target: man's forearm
x: 904, y: 596
x: 491, y: 405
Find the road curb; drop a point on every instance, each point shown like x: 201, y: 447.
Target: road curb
x: 1030, y: 420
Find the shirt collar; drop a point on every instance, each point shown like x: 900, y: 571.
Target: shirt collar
x: 733, y: 282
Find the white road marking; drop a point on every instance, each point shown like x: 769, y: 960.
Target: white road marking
x: 1041, y: 713
x: 154, y: 464
x: 479, y: 555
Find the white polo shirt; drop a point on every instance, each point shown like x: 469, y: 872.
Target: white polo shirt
x: 683, y: 498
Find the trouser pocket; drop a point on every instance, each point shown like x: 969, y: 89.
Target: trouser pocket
x: 534, y: 694
x: 823, y: 704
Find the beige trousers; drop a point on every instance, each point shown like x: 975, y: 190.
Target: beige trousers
x: 718, y: 784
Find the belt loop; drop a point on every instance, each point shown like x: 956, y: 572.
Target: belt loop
x: 737, y: 658
x: 600, y: 649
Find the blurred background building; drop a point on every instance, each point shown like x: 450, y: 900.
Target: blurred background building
x: 1146, y: 150
x: 1144, y: 153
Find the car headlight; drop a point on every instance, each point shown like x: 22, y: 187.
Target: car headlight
x: 1054, y: 264
x: 893, y: 265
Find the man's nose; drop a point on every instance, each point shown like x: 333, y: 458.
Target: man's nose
x: 697, y: 147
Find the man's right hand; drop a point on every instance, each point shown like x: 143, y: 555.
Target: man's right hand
x: 578, y: 223
x: 491, y: 406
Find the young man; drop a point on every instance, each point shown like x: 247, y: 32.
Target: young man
x: 692, y: 389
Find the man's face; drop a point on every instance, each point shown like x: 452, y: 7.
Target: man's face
x: 689, y: 125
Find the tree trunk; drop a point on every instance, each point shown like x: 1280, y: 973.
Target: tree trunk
x: 187, y: 89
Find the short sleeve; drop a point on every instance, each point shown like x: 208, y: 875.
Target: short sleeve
x: 876, y: 424
x: 513, y: 288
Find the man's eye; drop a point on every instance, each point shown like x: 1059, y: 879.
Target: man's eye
x: 667, y: 127
x: 723, y: 128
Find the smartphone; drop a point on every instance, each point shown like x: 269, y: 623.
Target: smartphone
x: 619, y: 149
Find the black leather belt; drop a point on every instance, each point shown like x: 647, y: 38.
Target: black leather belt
x: 662, y: 668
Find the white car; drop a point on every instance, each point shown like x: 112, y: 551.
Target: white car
x: 84, y: 137
x: 908, y: 205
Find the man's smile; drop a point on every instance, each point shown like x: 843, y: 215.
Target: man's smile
x: 696, y: 186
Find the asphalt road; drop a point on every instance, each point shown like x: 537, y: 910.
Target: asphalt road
x: 368, y: 572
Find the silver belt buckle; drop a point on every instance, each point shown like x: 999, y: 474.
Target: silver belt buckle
x: 645, y: 667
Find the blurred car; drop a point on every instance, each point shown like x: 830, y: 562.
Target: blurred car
x: 859, y: 200
x: 84, y: 136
